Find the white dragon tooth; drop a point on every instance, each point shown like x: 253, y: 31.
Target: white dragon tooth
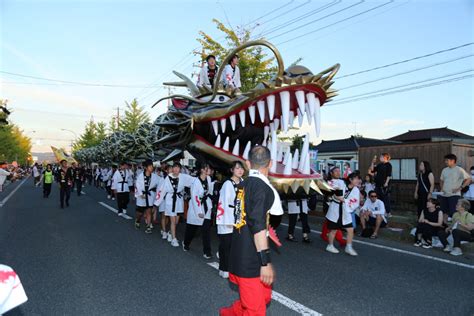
x: 311, y: 102
x: 276, y: 124
x: 317, y: 117
x: 252, y: 113
x: 223, y: 124
x: 300, y: 98
x: 296, y: 158
x: 291, y: 121
x: 280, y: 152
x: 242, y: 117
x: 247, y: 150
x: 236, y: 150
x: 304, y: 153
x: 215, y: 127
x: 218, y: 141
x: 232, y: 121
x: 272, y: 127
x: 288, y: 165
x: 273, y: 146
x: 226, y: 144
x: 309, y: 118
x: 261, y: 110
x: 287, y: 155
x: 266, y: 131
x: 271, y: 106
x: 300, y: 118
x: 264, y: 144
x: 285, y: 109
x: 306, y: 167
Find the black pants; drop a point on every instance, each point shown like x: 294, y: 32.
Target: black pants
x: 304, y: 222
x: 458, y: 236
x: 64, y: 195
x: 46, y: 189
x: 109, y: 190
x: 427, y: 231
x: 206, y: 235
x: 123, y: 198
x: 422, y: 200
x: 225, y: 242
x: 384, y: 195
x: 79, y: 187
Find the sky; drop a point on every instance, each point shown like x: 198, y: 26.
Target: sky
x: 139, y: 43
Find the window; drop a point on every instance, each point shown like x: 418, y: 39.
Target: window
x: 403, y: 169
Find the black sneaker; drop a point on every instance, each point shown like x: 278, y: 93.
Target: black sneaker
x: 185, y: 248
x: 291, y: 238
x: 148, y: 230
x: 306, y: 240
x: 137, y: 225
x: 207, y: 256
x: 418, y: 243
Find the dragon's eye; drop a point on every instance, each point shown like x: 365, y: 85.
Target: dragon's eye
x: 221, y: 99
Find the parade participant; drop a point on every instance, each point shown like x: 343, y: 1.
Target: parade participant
x: 171, y: 195
x: 231, y: 76
x: 47, y: 181
x: 146, y: 186
x: 36, y: 174
x: 97, y: 177
x: 4, y: 173
x: 208, y: 73
x: 89, y: 175
x: 161, y: 208
x: 250, y: 265
x: 74, y: 171
x: 344, y: 201
x: 108, y: 181
x: 199, y: 213
x: 79, y: 178
x: 155, y: 209
x: 225, y: 216
x: 295, y: 208
x: 334, y: 175
x: 103, y: 174
x: 121, y: 189
x: 66, y: 179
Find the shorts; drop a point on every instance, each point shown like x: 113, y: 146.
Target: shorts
x: 372, y: 222
x: 142, y: 209
x: 338, y: 225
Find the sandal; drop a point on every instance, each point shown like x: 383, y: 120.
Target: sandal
x: 374, y: 236
x: 291, y: 238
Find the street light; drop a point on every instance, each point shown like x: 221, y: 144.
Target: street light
x: 75, y: 135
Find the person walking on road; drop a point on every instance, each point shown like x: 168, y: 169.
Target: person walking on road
x: 47, y: 181
x: 121, y: 188
x: 250, y: 262
x: 65, y: 183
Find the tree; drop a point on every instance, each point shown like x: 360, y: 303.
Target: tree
x: 254, y: 64
x: 14, y: 145
x: 101, y: 131
x: 94, y: 134
x: 135, y: 116
x: 113, y: 126
x: 297, y: 142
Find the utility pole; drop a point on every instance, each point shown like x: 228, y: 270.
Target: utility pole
x: 118, y: 117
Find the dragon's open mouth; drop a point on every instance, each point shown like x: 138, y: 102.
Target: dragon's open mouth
x: 258, y: 121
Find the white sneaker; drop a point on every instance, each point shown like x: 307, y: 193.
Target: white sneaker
x: 113, y: 199
x: 164, y: 235
x: 175, y: 243
x: 119, y: 214
x: 124, y: 212
x: 448, y: 248
x: 108, y: 197
x: 170, y: 237
x: 217, y: 255
x: 224, y: 274
x: 456, y: 251
x: 332, y: 249
x: 350, y: 251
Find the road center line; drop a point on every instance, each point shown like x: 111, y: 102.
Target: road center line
x: 114, y: 210
x: 459, y: 264
x: 4, y: 201
x: 282, y: 299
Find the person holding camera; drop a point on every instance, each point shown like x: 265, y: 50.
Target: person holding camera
x: 382, y: 173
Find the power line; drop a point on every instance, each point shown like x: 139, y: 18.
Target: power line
x: 436, y: 83
x: 56, y: 113
x: 405, y: 61
x: 406, y: 72
x: 70, y: 85
x: 273, y: 11
x: 71, y: 82
x: 317, y: 20
x: 337, y: 22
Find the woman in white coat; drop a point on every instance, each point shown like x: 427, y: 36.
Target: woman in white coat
x: 170, y: 194
x: 225, y: 216
x: 200, y: 210
x: 145, y: 192
x: 339, y: 216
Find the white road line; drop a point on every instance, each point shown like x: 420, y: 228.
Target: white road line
x: 4, y: 201
x: 282, y: 299
x: 114, y: 210
x: 459, y: 264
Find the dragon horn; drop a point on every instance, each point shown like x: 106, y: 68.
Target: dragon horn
x: 281, y: 69
x: 185, y: 83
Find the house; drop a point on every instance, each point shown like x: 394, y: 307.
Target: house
x: 413, y: 147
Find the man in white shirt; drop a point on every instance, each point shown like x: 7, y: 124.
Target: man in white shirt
x: 231, y: 74
x: 453, y: 180
x: 3, y: 174
x: 208, y: 73
x: 373, y: 213
x: 36, y: 174
x: 121, y: 189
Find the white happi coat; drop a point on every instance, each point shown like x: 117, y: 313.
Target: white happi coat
x: 276, y: 209
x: 230, y: 77
x: 140, y: 193
x: 165, y: 194
x: 196, y: 205
x: 203, y: 79
x: 351, y: 203
x: 225, y: 210
x: 294, y: 208
x: 108, y: 177
x: 117, y: 181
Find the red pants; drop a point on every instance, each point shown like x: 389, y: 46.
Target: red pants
x: 339, y: 236
x: 254, y: 297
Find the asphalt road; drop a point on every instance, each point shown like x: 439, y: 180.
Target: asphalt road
x: 85, y: 260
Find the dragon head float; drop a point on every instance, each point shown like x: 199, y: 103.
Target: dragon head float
x: 221, y: 125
